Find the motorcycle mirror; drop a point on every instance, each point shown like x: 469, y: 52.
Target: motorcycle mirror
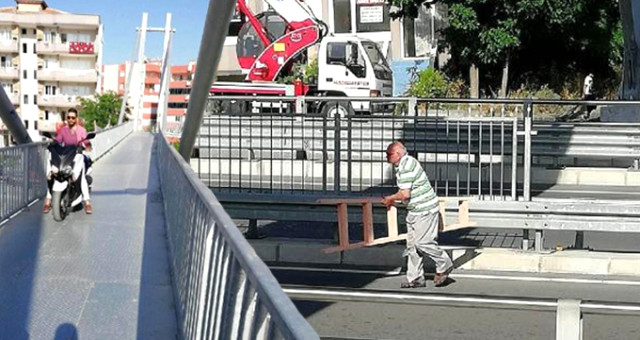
x: 91, y: 135
x: 47, y: 134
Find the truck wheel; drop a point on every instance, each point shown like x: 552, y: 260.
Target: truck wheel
x: 342, y: 108
x: 58, y: 206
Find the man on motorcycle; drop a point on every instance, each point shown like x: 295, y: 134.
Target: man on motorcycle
x: 73, y: 134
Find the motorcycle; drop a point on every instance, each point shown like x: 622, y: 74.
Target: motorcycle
x: 66, y: 194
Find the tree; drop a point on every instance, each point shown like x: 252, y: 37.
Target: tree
x: 102, y: 110
x: 551, y: 36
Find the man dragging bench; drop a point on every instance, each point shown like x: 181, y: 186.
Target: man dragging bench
x: 422, y: 218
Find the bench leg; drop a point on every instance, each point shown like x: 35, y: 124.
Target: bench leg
x: 392, y: 222
x: 343, y: 226
x: 367, y: 222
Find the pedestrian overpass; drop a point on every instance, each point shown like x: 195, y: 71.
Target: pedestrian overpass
x: 158, y: 258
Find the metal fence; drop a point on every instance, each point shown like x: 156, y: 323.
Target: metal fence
x: 569, y: 312
x: 223, y: 290
x: 105, y: 140
x: 22, y: 169
x: 488, y: 149
x: 263, y: 146
x: 22, y: 178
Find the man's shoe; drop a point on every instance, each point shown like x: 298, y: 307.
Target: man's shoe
x: 87, y: 208
x: 46, y: 208
x: 417, y: 283
x: 440, y: 278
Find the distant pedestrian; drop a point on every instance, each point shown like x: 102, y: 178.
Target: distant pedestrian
x: 587, y: 91
x: 422, y: 218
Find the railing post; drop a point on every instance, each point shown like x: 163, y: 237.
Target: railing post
x: 568, y: 320
x: 528, y: 121
x: 527, y: 118
x: 412, y: 106
x: 325, y: 153
x: 336, y: 149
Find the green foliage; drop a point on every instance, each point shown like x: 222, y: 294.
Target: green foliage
x: 546, y: 42
x: 308, y: 73
x: 431, y: 83
x: 103, y: 109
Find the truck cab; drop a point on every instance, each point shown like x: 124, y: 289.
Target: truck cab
x: 353, y: 67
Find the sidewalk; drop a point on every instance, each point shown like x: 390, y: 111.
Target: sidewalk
x: 291, y: 251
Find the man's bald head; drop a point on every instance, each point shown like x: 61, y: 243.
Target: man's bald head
x: 395, y: 151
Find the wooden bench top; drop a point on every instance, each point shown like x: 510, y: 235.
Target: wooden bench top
x: 374, y: 199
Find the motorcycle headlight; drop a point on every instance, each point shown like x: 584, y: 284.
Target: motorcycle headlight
x: 67, y: 170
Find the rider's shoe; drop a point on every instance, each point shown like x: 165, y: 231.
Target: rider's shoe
x: 87, y: 207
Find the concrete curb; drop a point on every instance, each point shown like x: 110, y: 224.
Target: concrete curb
x: 295, y: 251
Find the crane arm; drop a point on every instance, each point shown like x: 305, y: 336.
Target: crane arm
x: 296, y: 12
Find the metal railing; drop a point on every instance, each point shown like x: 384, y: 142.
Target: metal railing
x: 294, y: 150
x: 483, y: 148
x: 22, y: 178
x: 105, y: 140
x: 222, y: 288
x: 569, y: 312
x: 262, y: 146
x: 22, y: 169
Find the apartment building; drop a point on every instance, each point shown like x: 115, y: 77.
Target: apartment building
x: 114, y: 79
x: 48, y: 59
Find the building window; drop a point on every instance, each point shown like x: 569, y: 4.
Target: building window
x: 63, y: 38
x: 26, y: 99
x: 26, y: 124
x: 50, y: 90
x: 372, y: 16
x: 35, y: 32
x: 35, y: 100
x: 35, y: 74
x: 5, y: 62
x: 342, y: 16
x: 35, y: 124
x: 24, y: 74
x: 46, y: 114
x: 24, y: 48
x: 24, y: 31
x: 34, y: 48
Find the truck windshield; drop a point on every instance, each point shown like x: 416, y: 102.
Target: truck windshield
x: 374, y: 53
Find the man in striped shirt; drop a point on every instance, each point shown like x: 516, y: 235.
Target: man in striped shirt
x: 422, y: 218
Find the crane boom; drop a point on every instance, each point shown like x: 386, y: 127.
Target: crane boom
x: 303, y: 30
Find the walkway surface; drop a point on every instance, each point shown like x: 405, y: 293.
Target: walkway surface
x: 99, y: 276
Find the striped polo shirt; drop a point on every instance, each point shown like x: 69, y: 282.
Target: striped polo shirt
x: 411, y: 176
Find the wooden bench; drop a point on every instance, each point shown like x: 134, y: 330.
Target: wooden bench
x: 392, y: 221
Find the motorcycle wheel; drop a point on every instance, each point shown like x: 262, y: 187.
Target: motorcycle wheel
x: 59, y: 209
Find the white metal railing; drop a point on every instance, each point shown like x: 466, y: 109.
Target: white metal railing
x: 22, y: 169
x: 569, y: 318
x: 105, y: 140
x: 222, y: 288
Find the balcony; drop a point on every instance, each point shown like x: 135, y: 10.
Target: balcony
x: 9, y: 46
x: 58, y: 101
x: 70, y: 48
x: 9, y: 73
x: 71, y: 76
